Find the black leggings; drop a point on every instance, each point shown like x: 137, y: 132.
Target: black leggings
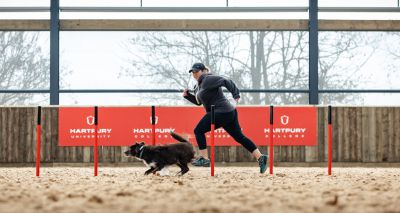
x: 228, y: 121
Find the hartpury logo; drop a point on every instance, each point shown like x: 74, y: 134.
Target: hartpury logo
x: 284, y: 119
x: 155, y: 120
x: 90, y: 120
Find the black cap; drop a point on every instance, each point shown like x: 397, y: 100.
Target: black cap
x: 197, y: 66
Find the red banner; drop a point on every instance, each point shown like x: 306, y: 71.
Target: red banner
x: 123, y: 126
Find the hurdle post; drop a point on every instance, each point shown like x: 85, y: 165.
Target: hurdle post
x: 212, y: 138
x: 153, y: 125
x: 329, y: 140
x: 96, y: 160
x: 271, y: 139
x: 38, y: 142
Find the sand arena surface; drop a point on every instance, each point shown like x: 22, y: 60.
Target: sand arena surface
x: 234, y: 189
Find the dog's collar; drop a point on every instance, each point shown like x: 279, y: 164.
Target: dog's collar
x: 141, y: 152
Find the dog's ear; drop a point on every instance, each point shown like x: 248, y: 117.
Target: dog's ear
x: 142, y: 143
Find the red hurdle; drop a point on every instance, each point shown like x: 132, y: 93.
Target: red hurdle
x: 38, y: 142
x: 96, y: 160
x: 271, y: 140
x: 212, y: 138
x: 153, y: 125
x: 329, y: 140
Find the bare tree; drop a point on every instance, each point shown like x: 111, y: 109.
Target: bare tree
x: 341, y: 57
x: 23, y: 66
x: 394, y: 50
x: 392, y: 47
x: 253, y: 59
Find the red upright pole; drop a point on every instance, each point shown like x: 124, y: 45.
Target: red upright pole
x: 212, y: 139
x: 38, y: 141
x: 153, y: 125
x: 271, y: 140
x: 329, y: 140
x: 96, y: 160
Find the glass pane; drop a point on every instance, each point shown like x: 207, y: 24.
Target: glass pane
x: 274, y: 99
x: 24, y: 3
x: 269, y: 3
x: 184, y: 3
x: 357, y: 3
x: 94, y: 60
x: 247, y: 98
x: 161, y: 60
x: 361, y: 99
x: 183, y: 15
x: 136, y: 99
x: 24, y: 62
x: 100, y: 3
x: 13, y: 99
x: 359, y: 60
x: 176, y: 99
x: 25, y: 15
x: 359, y: 16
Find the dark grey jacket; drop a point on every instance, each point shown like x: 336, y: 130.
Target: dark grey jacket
x: 209, y: 92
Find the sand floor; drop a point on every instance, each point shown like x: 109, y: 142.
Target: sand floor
x: 233, y: 189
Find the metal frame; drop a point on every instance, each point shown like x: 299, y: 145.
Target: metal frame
x: 204, y: 9
x: 313, y: 53
x: 359, y: 9
x: 24, y: 9
x: 184, y: 9
x: 179, y: 91
x: 313, y: 29
x: 158, y: 9
x: 55, y: 53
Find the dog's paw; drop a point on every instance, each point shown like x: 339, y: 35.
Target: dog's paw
x: 162, y: 174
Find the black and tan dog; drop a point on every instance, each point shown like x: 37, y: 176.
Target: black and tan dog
x: 158, y: 158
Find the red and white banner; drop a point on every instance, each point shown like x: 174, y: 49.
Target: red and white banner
x: 123, y: 126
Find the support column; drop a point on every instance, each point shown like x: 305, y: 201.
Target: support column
x: 54, y: 52
x: 313, y: 52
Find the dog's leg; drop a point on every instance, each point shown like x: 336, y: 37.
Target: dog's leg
x: 184, y: 168
x: 151, y: 170
x: 164, y: 171
x: 158, y: 168
x: 153, y: 167
x: 180, y: 172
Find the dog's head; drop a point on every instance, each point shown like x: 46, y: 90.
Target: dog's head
x: 134, y: 150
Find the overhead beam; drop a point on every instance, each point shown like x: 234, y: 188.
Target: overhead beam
x: 184, y: 25
x: 359, y: 25
x: 28, y: 25
x: 178, y: 24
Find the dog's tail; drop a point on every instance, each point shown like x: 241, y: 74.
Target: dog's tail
x: 179, y: 138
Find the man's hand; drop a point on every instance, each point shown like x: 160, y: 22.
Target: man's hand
x: 237, y: 100
x: 185, y: 92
